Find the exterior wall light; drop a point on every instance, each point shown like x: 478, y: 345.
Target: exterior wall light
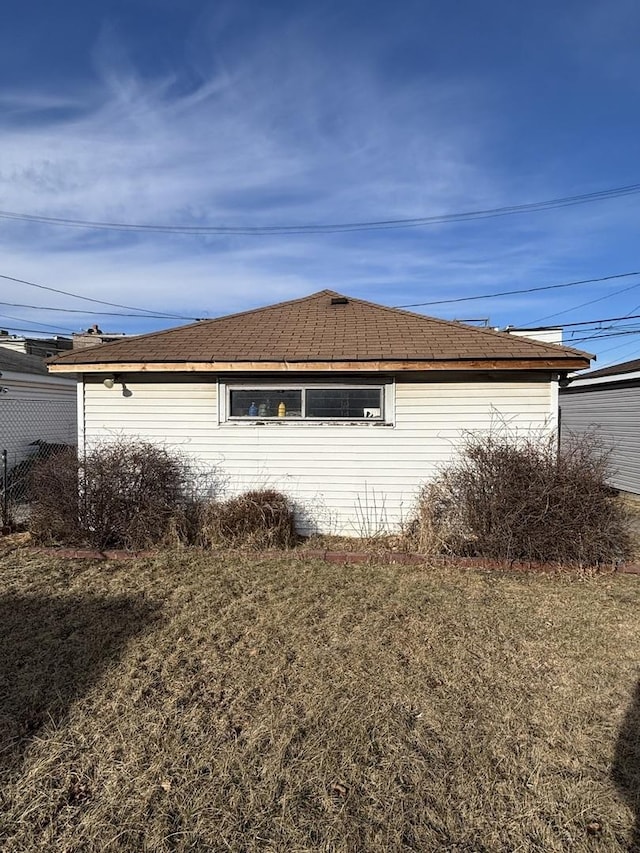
x: 110, y: 381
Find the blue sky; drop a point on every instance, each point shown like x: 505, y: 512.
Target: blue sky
x: 279, y: 113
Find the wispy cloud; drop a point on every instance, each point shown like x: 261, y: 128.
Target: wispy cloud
x: 265, y: 128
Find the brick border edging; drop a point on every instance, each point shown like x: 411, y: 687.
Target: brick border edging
x: 405, y: 558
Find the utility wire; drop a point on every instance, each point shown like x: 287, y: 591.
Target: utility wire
x: 35, y: 322
x: 35, y: 331
x: 521, y: 290
x: 90, y: 299
x: 600, y: 329
x: 606, y: 335
x: 568, y: 325
x: 613, y: 349
x: 328, y: 228
x: 161, y: 315
x: 96, y: 313
x: 590, y: 302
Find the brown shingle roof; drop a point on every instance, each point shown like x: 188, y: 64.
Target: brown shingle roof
x: 314, y: 329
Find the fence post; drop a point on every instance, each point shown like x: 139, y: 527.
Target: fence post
x: 5, y: 503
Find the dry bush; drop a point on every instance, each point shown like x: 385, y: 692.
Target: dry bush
x: 127, y: 494
x: 134, y: 493
x: 517, y: 497
x: 257, y: 519
x: 19, y: 477
x: 54, y: 516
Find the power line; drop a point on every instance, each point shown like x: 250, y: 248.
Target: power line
x: 90, y: 299
x: 606, y: 335
x: 590, y: 302
x: 521, y: 290
x: 35, y: 331
x: 600, y: 330
x: 568, y: 325
x: 613, y: 349
x: 328, y: 228
x: 35, y: 322
x: 94, y: 313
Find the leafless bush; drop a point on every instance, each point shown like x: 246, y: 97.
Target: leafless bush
x: 516, y: 497
x: 127, y: 494
x: 257, y: 519
x: 135, y: 494
x: 54, y: 518
x: 19, y: 477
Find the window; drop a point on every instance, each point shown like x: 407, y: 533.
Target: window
x: 311, y: 402
x: 265, y: 403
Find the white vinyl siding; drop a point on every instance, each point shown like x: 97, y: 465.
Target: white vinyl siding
x: 613, y: 413
x: 352, y: 478
x: 35, y: 408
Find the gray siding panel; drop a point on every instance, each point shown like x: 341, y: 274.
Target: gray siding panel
x: 613, y: 413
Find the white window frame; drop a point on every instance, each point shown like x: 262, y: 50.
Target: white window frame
x: 386, y: 386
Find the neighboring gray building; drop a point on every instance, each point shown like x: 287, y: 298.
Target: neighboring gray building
x: 607, y: 402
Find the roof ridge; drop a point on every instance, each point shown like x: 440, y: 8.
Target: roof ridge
x: 284, y: 302
x: 147, y: 335
x: 457, y: 324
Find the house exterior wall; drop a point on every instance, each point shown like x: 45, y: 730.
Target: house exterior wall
x: 35, y: 407
x: 613, y: 412
x: 348, y: 479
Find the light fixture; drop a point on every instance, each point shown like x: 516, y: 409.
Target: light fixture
x: 109, y: 382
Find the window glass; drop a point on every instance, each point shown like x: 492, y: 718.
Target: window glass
x: 344, y: 403
x: 266, y: 403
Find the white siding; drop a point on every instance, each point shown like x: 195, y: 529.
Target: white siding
x: 613, y: 413
x: 349, y: 479
x: 32, y: 408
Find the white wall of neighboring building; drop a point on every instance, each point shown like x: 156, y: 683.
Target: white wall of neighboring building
x: 547, y: 336
x: 349, y: 479
x: 35, y: 407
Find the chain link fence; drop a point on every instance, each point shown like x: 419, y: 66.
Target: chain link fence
x: 31, y: 429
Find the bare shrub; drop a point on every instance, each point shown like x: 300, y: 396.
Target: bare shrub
x: 257, y: 519
x: 134, y: 492
x: 126, y: 494
x: 517, y: 497
x: 54, y: 516
x: 19, y: 477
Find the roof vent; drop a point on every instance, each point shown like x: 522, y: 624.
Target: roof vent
x: 339, y: 300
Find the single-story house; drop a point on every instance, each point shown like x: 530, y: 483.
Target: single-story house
x: 606, y: 402
x: 34, y: 405
x: 345, y: 405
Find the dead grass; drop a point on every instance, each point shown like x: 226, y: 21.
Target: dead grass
x: 366, y: 544
x: 200, y: 703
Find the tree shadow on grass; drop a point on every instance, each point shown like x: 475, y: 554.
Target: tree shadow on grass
x: 626, y: 764
x: 52, y: 649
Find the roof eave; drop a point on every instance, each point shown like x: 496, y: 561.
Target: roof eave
x: 563, y: 363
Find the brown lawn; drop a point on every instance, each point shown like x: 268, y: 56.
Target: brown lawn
x: 195, y: 703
